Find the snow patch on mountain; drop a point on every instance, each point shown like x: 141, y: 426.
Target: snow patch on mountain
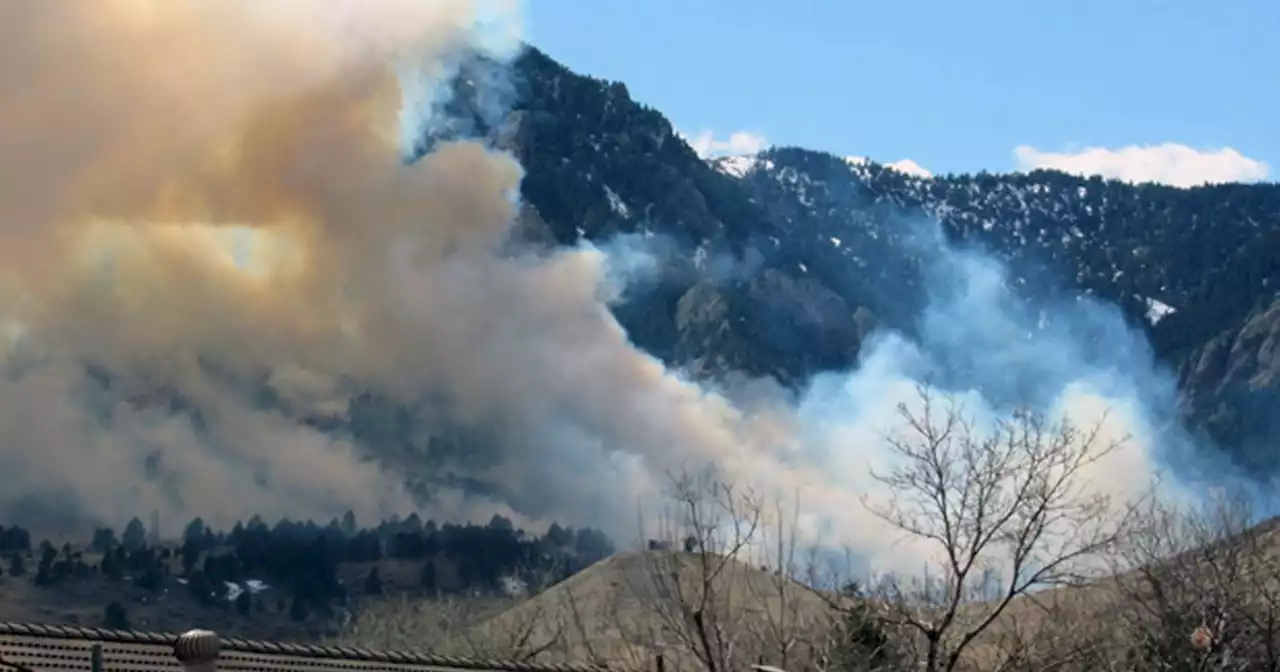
x: 904, y: 166
x: 1157, y: 310
x: 739, y: 165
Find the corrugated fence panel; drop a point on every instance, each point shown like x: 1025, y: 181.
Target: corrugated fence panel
x: 41, y: 648
x: 254, y: 662
x: 43, y: 653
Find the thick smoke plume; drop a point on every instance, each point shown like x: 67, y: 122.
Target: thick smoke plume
x: 204, y: 200
x: 212, y: 251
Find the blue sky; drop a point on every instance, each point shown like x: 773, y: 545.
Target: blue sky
x: 952, y: 85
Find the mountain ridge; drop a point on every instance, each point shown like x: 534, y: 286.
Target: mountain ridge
x: 1184, y: 266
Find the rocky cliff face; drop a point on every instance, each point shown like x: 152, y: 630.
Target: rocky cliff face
x: 1232, y: 384
x: 771, y: 317
x: 783, y: 262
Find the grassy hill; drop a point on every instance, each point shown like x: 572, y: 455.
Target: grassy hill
x: 624, y: 610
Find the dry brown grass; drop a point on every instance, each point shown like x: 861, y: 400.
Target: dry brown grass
x: 629, y: 608
x: 625, y: 611
x: 447, y: 626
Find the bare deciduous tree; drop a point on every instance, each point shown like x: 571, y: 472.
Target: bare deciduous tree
x: 1199, y: 587
x: 1008, y: 511
x: 690, y: 588
x: 725, y: 596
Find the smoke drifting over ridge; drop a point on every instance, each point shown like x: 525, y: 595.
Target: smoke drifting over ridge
x: 144, y: 140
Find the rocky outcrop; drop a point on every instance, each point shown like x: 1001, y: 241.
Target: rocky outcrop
x: 772, y: 324
x: 1231, y: 387
x: 707, y: 341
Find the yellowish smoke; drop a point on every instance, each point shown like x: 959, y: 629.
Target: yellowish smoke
x: 209, y: 180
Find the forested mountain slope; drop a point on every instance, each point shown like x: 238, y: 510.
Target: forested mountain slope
x: 819, y: 258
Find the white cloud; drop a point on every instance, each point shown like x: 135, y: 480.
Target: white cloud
x: 910, y: 167
x: 707, y: 145
x: 1169, y: 163
x: 906, y: 166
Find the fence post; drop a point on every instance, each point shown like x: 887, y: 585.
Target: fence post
x: 95, y: 657
x: 197, y: 650
x: 661, y: 663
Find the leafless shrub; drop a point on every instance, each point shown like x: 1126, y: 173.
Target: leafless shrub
x: 1199, y: 588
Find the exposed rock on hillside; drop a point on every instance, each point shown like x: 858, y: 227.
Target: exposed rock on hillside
x: 1233, y: 384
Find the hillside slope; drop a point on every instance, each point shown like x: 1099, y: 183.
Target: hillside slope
x: 632, y: 606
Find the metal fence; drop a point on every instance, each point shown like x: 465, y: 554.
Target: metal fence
x: 44, y: 648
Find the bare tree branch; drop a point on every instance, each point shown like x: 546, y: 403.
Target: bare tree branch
x: 725, y: 591
x: 1012, y: 501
